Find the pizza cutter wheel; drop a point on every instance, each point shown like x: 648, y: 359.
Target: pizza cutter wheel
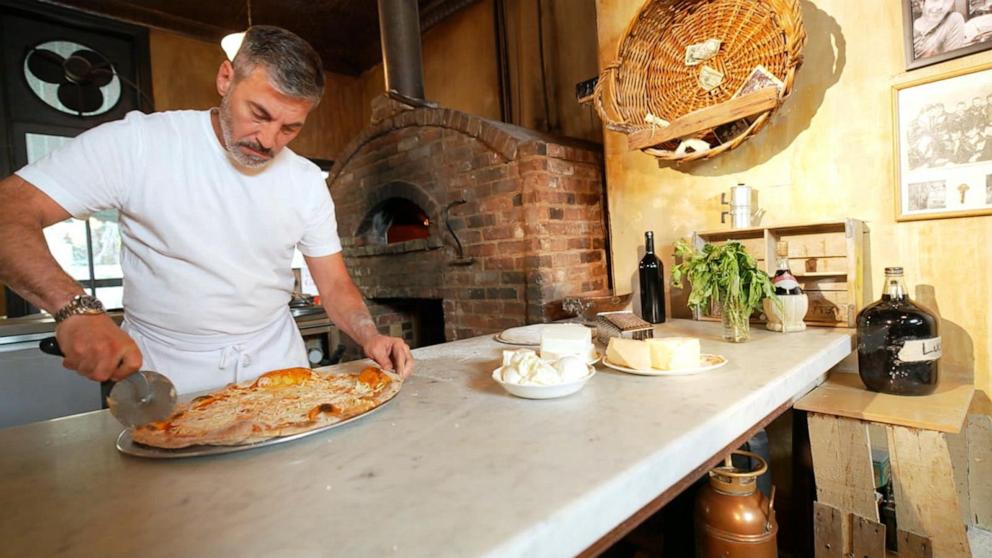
x: 143, y: 397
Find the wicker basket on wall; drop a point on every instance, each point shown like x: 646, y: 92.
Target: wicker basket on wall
x: 650, y: 74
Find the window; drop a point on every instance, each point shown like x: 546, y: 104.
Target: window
x: 87, y: 250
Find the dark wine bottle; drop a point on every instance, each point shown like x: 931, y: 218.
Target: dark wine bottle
x: 898, y: 343
x: 650, y: 273
x: 784, y: 281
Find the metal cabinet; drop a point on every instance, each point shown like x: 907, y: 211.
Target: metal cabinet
x: 34, y: 386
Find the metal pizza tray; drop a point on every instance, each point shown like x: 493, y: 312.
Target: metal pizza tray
x: 128, y: 446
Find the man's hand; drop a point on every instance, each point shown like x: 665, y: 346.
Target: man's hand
x: 391, y: 353
x: 96, y: 348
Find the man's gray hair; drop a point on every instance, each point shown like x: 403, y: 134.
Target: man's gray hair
x: 294, y: 67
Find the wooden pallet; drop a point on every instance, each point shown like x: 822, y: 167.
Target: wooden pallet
x: 846, y: 520
x: 827, y: 258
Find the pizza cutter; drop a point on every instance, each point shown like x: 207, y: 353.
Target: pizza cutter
x: 142, y: 397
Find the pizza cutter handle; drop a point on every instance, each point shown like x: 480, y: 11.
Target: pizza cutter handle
x: 50, y: 345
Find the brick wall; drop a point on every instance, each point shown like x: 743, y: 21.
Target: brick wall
x: 526, y: 207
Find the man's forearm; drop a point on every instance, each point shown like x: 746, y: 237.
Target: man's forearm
x: 342, y: 299
x: 348, y: 311
x: 27, y: 267
x: 26, y: 264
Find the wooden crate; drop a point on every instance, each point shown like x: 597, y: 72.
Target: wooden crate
x: 827, y: 258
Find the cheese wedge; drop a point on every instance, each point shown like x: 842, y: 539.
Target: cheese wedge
x: 632, y: 353
x: 674, y: 353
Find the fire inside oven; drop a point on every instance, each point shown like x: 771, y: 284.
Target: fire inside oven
x: 394, y: 220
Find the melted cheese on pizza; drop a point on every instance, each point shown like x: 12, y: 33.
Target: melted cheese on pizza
x: 277, y: 403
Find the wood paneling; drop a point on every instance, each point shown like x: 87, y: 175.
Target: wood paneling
x: 339, y: 117
x: 184, y: 71
x: 460, y: 62
x: 542, y: 88
x: 826, y: 155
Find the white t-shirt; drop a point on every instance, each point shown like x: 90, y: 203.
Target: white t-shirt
x: 207, y: 244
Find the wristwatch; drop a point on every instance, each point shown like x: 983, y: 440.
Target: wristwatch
x: 80, y: 304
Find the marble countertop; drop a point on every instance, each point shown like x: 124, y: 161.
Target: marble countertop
x: 453, y: 466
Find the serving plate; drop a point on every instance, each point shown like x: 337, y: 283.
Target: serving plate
x: 528, y: 335
x: 521, y: 336
x: 707, y: 362
x: 126, y: 445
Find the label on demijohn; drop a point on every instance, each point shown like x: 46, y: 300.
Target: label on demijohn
x: 919, y: 350
x: 785, y: 281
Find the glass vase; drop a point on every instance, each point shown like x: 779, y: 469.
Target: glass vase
x: 736, y: 325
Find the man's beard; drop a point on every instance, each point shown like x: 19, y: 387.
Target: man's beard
x: 231, y: 146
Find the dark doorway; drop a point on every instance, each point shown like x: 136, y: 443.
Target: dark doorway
x: 420, y: 320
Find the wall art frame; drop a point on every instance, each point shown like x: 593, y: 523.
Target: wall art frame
x: 942, y: 128
x: 939, y: 30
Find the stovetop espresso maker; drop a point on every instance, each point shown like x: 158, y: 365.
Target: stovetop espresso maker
x: 743, y: 204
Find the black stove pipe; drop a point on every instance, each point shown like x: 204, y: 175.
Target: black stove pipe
x: 399, y: 29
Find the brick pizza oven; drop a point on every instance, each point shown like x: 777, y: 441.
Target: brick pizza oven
x: 453, y: 225
x: 451, y: 218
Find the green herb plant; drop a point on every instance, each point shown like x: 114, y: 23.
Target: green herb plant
x: 724, y: 274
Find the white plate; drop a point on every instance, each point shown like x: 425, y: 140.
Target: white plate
x: 522, y: 336
x: 546, y: 392
x: 707, y: 362
x: 528, y: 335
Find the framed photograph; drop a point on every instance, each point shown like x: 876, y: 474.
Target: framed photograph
x: 939, y: 30
x: 943, y: 147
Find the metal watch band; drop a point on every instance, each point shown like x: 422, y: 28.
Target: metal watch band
x: 80, y: 304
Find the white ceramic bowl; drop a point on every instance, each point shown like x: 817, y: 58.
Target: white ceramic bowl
x: 545, y: 392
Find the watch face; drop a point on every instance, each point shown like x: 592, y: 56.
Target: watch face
x: 90, y: 304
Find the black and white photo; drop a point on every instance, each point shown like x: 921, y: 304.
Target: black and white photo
x: 928, y: 195
x: 938, y: 30
x: 944, y: 135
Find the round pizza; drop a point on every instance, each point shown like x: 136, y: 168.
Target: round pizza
x: 277, y: 403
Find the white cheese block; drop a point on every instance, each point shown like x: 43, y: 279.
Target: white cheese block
x: 674, y: 353
x: 561, y: 340
x: 632, y: 353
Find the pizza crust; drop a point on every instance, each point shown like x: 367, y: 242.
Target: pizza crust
x: 277, y: 403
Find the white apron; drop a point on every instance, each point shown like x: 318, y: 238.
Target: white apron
x: 198, y: 363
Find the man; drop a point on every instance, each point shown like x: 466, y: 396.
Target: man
x: 939, y: 29
x: 985, y: 154
x: 976, y: 114
x: 211, y: 207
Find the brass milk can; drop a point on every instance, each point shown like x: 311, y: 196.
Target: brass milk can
x: 733, y: 518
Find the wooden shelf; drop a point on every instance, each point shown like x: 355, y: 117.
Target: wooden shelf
x: 821, y: 274
x: 781, y: 229
x: 844, y: 395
